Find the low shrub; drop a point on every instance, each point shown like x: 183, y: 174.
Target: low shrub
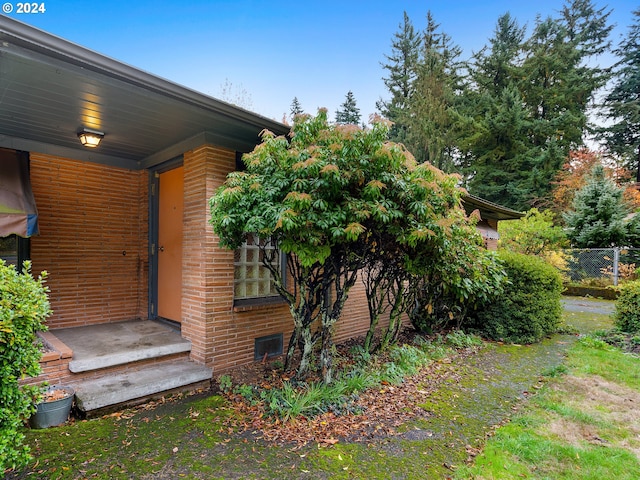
x: 24, y: 306
x: 311, y: 399
x: 460, y: 339
x: 528, y: 308
x: 225, y: 383
x: 296, y: 399
x: 627, y: 308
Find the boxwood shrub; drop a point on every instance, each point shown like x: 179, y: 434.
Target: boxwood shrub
x: 24, y: 306
x: 627, y: 313
x: 529, y: 307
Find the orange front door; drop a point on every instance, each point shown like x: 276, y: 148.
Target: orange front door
x: 171, y: 206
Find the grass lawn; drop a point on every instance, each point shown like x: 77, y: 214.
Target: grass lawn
x: 584, y: 424
x: 579, y: 421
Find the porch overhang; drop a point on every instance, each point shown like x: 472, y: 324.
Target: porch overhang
x: 52, y: 88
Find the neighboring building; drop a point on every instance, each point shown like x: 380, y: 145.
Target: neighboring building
x: 490, y: 214
x: 123, y: 227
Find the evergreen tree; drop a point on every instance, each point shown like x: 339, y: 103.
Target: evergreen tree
x: 598, y: 211
x: 348, y: 113
x: 544, y: 86
x: 402, y: 70
x: 500, y: 171
x: 556, y: 100
x: 431, y: 119
x: 559, y: 82
x: 622, y: 104
x: 495, y: 67
x: 587, y: 28
x: 497, y: 122
x: 296, y: 108
x: 632, y: 232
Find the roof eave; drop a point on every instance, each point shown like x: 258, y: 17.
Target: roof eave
x: 497, y: 212
x: 32, y: 38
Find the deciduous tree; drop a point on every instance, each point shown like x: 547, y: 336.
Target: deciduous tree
x: 534, y: 234
x: 328, y: 198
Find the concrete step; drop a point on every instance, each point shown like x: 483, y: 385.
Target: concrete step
x: 144, y: 382
x: 111, y: 344
x: 113, y: 359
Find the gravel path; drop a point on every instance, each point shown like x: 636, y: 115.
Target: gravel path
x: 580, y: 304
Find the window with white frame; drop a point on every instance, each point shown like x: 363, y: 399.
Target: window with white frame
x: 252, y: 280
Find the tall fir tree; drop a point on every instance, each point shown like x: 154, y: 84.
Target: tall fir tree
x: 348, y: 113
x: 622, y: 104
x: 596, y: 219
x: 431, y: 119
x: 495, y: 67
x: 587, y: 27
x: 497, y: 122
x: 296, y: 108
x: 500, y: 168
x: 545, y: 85
x: 560, y: 79
x: 402, y: 67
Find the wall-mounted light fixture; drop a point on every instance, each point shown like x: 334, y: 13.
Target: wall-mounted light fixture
x: 90, y: 138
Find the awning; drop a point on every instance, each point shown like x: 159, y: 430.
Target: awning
x: 18, y: 214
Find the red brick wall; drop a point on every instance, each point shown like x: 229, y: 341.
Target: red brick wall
x: 221, y: 337
x: 90, y: 214
x: 355, y: 317
x: 93, y: 240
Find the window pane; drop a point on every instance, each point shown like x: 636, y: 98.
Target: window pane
x: 9, y: 249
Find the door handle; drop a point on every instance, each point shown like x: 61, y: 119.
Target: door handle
x: 161, y: 249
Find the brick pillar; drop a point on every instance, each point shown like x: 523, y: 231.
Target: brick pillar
x: 207, y: 270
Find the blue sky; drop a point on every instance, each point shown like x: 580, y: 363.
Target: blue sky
x: 313, y: 50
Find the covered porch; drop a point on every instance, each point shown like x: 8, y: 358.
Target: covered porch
x: 100, y: 215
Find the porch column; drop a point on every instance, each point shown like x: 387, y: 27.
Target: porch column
x: 207, y: 291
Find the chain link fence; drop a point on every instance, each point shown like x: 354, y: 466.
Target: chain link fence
x: 601, y: 266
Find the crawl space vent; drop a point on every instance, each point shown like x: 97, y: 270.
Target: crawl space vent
x: 270, y: 345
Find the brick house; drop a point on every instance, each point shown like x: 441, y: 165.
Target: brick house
x: 123, y: 227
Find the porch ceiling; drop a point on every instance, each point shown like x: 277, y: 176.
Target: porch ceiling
x: 51, y: 88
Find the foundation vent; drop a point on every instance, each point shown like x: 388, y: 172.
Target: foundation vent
x: 271, y: 346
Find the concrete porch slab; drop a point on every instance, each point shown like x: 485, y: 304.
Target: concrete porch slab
x: 110, y: 344
x: 144, y: 382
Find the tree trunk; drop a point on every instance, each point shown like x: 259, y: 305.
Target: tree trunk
x: 307, y: 349
x: 368, y: 340
x: 638, y: 172
x: 326, y: 359
x: 291, y: 349
x: 395, y: 319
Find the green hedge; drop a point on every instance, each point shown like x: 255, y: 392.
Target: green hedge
x: 627, y: 314
x: 24, y: 306
x: 529, y: 307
